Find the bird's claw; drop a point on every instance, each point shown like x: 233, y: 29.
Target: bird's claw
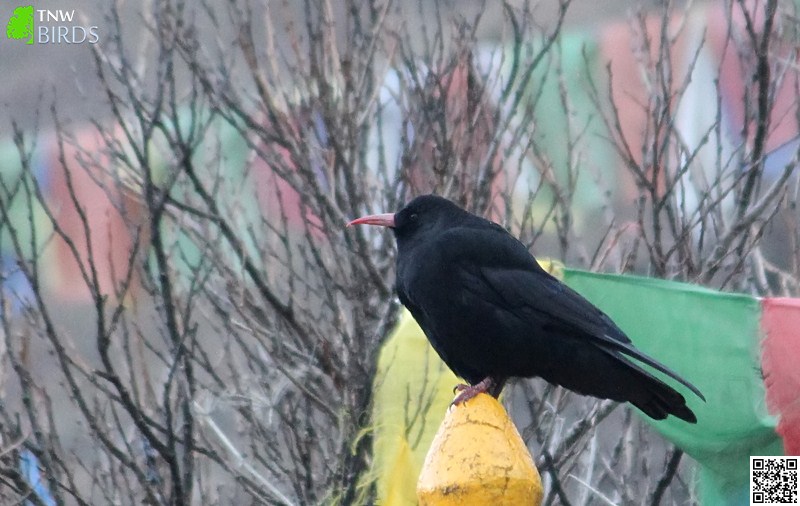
x: 467, y: 392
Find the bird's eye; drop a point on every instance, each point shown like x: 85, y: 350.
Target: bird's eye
x: 413, y: 217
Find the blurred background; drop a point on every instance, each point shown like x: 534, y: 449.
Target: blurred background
x: 185, y: 318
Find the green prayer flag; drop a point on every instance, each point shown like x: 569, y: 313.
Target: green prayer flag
x: 712, y: 339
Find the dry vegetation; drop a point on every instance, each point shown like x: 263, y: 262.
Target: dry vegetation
x: 230, y: 357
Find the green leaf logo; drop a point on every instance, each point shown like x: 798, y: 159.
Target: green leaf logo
x: 20, y: 24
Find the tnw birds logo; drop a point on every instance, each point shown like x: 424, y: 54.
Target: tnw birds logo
x: 20, y: 24
x: 45, y: 26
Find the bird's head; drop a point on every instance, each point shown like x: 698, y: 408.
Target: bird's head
x: 424, y: 213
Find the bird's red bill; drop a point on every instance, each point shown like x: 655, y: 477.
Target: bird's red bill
x: 383, y: 220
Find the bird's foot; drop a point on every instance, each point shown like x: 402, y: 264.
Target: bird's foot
x: 467, y: 392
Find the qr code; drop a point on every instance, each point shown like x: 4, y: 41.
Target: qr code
x: 773, y: 480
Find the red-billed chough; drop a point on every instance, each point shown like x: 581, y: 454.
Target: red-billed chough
x: 492, y: 313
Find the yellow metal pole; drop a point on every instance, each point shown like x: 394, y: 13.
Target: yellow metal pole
x: 478, y: 458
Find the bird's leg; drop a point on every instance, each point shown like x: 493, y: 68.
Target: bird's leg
x: 467, y: 392
x: 497, y: 387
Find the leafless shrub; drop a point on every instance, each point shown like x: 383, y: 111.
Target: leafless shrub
x: 230, y: 353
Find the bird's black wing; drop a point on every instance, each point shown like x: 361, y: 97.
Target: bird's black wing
x: 521, y: 286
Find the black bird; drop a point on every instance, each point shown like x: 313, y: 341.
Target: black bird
x: 492, y: 313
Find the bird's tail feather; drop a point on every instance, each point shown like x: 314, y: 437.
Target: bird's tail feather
x: 617, y: 348
x: 660, y: 400
x: 656, y: 398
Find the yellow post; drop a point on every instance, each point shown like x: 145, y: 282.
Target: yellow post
x: 478, y: 457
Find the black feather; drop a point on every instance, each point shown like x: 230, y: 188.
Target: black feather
x: 490, y: 310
